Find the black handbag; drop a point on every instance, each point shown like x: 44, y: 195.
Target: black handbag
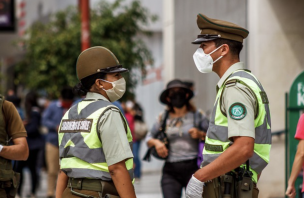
x: 162, y: 136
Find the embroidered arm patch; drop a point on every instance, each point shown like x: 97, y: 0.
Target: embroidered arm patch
x: 237, y: 111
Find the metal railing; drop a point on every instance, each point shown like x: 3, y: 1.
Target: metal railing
x: 278, y: 133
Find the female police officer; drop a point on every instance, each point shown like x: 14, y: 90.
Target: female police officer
x: 96, y: 159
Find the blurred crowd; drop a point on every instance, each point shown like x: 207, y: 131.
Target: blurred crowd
x: 41, y: 118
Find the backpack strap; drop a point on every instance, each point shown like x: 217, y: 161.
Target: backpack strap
x: 162, y: 128
x: 197, y: 117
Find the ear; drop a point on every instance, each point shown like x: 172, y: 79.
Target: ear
x: 99, y: 83
x: 225, y: 49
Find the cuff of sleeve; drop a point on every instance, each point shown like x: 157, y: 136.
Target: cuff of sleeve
x: 119, y: 158
x: 197, y: 181
x: 242, y: 133
x: 20, y: 134
x: 148, y: 139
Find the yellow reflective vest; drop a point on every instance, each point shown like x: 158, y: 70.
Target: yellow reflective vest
x: 80, y: 148
x: 217, y: 135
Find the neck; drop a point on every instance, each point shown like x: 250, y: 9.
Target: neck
x: 224, y: 66
x: 179, y: 112
x: 100, y: 91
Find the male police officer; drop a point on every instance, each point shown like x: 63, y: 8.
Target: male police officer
x: 238, y: 140
x: 11, y: 128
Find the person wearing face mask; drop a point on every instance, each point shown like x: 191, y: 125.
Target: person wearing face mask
x: 184, y: 131
x: 95, y: 140
x: 238, y: 140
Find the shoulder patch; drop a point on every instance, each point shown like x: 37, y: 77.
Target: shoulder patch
x: 264, y: 97
x: 231, y: 83
x: 237, y: 111
x: 115, y: 109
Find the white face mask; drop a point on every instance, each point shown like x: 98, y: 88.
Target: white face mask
x: 204, y: 62
x: 117, y: 91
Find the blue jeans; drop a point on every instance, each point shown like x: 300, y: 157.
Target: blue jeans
x: 137, y: 170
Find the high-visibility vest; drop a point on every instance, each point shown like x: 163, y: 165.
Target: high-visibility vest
x: 6, y: 170
x: 217, y: 135
x: 80, y: 148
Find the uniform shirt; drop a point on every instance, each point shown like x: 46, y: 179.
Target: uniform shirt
x: 238, y: 94
x: 112, y: 133
x: 13, y: 123
x: 300, y: 136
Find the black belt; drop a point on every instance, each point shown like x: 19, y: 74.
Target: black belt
x: 86, y: 184
x: 105, y: 187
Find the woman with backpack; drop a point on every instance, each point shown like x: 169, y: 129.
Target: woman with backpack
x: 181, y: 124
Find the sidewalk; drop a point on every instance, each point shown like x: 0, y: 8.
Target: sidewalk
x: 147, y: 187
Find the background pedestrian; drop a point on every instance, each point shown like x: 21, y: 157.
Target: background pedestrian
x: 298, y: 162
x: 183, y: 129
x: 34, y: 140
x: 13, y: 146
x: 51, y: 119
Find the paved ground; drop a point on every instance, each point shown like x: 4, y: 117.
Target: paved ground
x: 147, y: 187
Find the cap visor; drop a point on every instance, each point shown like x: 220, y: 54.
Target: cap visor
x: 118, y: 70
x: 200, y: 40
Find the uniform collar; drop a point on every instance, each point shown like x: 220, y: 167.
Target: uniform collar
x: 230, y: 70
x: 95, y: 96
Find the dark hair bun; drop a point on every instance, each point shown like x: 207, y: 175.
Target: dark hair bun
x: 80, y: 90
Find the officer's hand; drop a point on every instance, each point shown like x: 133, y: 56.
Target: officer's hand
x: 161, y: 149
x: 194, y: 188
x: 291, y: 192
x: 197, y: 134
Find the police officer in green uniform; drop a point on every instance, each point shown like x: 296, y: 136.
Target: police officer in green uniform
x: 96, y: 159
x: 238, y: 140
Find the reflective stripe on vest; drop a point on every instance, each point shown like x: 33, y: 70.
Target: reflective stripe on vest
x: 80, y: 148
x: 217, y: 135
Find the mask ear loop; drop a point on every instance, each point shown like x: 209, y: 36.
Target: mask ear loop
x: 217, y: 59
x: 113, y: 85
x: 105, y: 80
x: 214, y: 51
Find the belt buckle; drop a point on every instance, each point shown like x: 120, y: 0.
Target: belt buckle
x: 79, y: 184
